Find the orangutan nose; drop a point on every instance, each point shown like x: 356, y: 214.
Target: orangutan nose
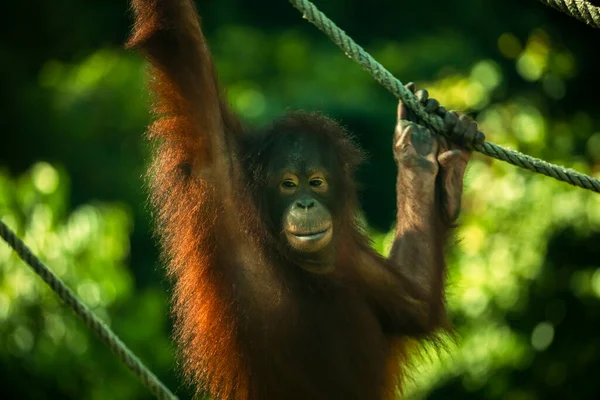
x: 305, y: 203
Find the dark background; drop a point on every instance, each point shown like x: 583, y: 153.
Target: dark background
x: 524, y: 284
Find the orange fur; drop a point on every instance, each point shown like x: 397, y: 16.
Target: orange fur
x: 250, y: 325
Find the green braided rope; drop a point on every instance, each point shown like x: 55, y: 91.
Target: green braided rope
x: 87, y: 316
x: 383, y: 76
x: 582, y: 10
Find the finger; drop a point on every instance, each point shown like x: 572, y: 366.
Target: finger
x: 404, y: 136
x: 450, y: 120
x: 479, y: 138
x: 470, y: 132
x: 404, y: 130
x: 432, y: 105
x: 448, y: 156
x: 407, y: 133
x: 402, y: 111
x: 422, y: 95
x: 460, y: 127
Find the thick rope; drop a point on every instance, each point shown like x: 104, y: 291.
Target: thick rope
x: 383, y: 76
x: 582, y: 10
x: 87, y: 316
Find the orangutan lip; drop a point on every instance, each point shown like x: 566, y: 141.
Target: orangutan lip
x: 309, y: 236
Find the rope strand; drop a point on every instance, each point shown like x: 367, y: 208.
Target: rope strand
x: 582, y: 10
x: 387, y: 80
x: 87, y: 316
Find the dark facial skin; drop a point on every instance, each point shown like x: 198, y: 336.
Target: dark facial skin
x: 301, y: 193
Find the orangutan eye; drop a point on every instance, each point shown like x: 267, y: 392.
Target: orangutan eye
x: 318, y: 185
x: 289, y: 184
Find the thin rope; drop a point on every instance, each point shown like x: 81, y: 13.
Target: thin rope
x: 87, y: 316
x: 385, y: 78
x: 582, y: 10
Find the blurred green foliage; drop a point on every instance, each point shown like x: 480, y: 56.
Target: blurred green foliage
x: 524, y: 280
x: 88, y: 248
